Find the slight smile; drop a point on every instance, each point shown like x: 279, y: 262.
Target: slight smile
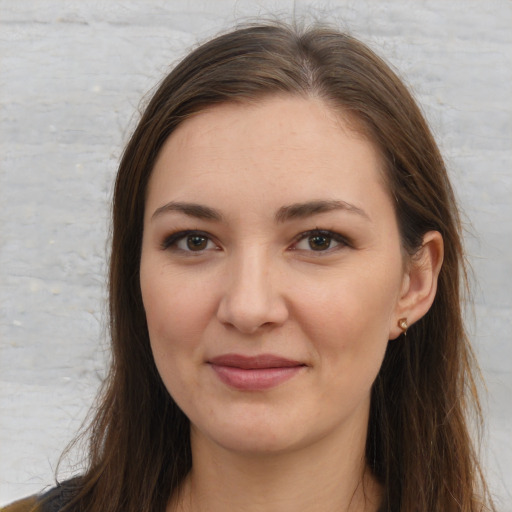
x: 255, y: 373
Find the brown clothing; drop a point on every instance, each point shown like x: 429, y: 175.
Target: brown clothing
x: 25, y: 505
x: 50, y: 501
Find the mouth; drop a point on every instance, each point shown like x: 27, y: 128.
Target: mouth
x: 255, y: 373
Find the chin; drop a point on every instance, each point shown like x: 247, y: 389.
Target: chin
x: 254, y: 436
x: 258, y: 444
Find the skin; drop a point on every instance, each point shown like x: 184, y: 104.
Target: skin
x: 259, y: 280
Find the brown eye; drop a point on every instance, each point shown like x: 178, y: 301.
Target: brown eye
x: 189, y: 242
x: 197, y: 242
x: 319, y: 242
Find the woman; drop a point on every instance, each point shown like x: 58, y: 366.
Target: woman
x: 285, y: 302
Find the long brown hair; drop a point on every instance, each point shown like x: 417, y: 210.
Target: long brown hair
x: 418, y: 444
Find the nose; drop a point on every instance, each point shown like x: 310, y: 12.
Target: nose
x: 251, y: 299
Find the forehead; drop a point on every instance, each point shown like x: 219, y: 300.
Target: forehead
x: 271, y: 120
x: 278, y: 146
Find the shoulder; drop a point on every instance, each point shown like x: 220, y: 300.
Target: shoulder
x: 52, y: 500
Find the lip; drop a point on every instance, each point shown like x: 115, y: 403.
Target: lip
x: 254, y: 373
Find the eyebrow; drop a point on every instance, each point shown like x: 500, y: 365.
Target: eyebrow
x: 285, y: 213
x: 302, y: 210
x: 198, y: 211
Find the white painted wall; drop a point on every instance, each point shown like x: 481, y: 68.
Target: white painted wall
x: 71, y: 76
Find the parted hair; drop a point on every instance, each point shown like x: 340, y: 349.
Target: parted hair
x: 418, y: 444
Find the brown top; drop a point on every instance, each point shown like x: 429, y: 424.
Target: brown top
x: 29, y: 504
x: 50, y: 501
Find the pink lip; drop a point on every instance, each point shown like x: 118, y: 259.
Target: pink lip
x: 254, y: 373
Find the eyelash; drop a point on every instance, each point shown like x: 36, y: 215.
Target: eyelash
x: 171, y: 241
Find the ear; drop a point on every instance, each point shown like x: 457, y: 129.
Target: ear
x: 419, y: 284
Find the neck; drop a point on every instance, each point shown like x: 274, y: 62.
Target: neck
x: 316, y: 478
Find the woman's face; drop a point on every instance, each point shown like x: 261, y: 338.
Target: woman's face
x: 271, y: 271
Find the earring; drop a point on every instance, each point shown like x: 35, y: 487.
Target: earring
x: 402, y: 323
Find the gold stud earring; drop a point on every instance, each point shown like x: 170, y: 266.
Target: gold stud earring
x: 402, y: 323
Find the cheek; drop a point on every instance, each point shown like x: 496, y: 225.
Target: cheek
x: 175, y: 322
x: 176, y: 307
x: 178, y: 313
x: 351, y: 304
x: 348, y: 323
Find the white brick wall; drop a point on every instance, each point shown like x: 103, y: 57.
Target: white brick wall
x: 71, y: 76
